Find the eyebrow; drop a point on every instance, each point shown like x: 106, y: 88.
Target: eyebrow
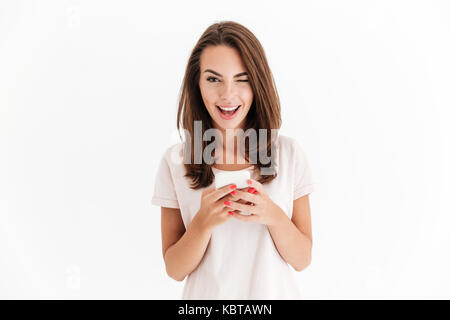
x: 218, y: 74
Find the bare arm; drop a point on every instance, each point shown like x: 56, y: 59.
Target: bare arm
x: 293, y: 238
x: 182, y: 248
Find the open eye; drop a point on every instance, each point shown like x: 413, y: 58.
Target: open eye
x: 207, y: 79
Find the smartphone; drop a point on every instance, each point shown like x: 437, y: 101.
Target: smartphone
x: 239, y: 178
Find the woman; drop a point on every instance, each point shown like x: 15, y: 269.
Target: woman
x: 224, y: 254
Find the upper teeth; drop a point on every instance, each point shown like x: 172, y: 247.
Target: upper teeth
x: 228, y: 109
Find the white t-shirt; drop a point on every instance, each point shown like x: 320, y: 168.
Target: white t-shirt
x: 241, y: 260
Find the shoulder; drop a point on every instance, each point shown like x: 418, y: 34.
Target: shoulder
x: 170, y: 162
x: 173, y: 154
x: 291, y: 152
x: 288, y: 144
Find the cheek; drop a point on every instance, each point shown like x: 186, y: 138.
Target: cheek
x: 247, y: 95
x: 209, y: 95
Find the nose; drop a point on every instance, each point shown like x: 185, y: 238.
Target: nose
x: 227, y: 92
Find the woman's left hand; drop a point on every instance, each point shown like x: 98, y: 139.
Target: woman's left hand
x: 260, y: 207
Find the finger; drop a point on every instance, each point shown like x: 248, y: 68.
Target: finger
x: 209, y: 190
x: 241, y: 207
x: 226, y: 201
x: 247, y: 218
x: 222, y: 204
x: 242, y: 189
x: 219, y: 193
x: 228, y: 212
x: 228, y: 197
x: 231, y: 197
x: 256, y: 185
x: 248, y: 197
x: 246, y: 189
x: 241, y: 201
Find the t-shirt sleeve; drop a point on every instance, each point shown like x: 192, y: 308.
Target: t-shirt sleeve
x: 164, y: 194
x: 303, y: 180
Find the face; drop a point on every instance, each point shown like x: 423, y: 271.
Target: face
x: 224, y: 83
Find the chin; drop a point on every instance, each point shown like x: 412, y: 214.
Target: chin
x: 229, y: 125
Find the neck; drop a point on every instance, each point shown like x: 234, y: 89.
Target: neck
x: 229, y: 147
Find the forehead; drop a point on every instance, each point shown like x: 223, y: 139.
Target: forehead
x: 222, y: 59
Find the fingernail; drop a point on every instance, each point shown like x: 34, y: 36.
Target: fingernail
x: 230, y: 213
x: 255, y: 192
x: 249, y: 181
x: 233, y: 186
x: 251, y: 190
x: 227, y: 203
x: 233, y: 192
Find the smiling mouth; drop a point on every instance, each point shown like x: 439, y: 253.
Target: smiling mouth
x: 228, y: 111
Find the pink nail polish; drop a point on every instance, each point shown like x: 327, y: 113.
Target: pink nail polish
x: 227, y: 203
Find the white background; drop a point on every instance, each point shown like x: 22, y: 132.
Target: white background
x: 88, y: 101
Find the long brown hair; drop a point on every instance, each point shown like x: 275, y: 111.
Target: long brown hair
x: 263, y: 114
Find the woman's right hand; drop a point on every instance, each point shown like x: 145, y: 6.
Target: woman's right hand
x: 213, y: 210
